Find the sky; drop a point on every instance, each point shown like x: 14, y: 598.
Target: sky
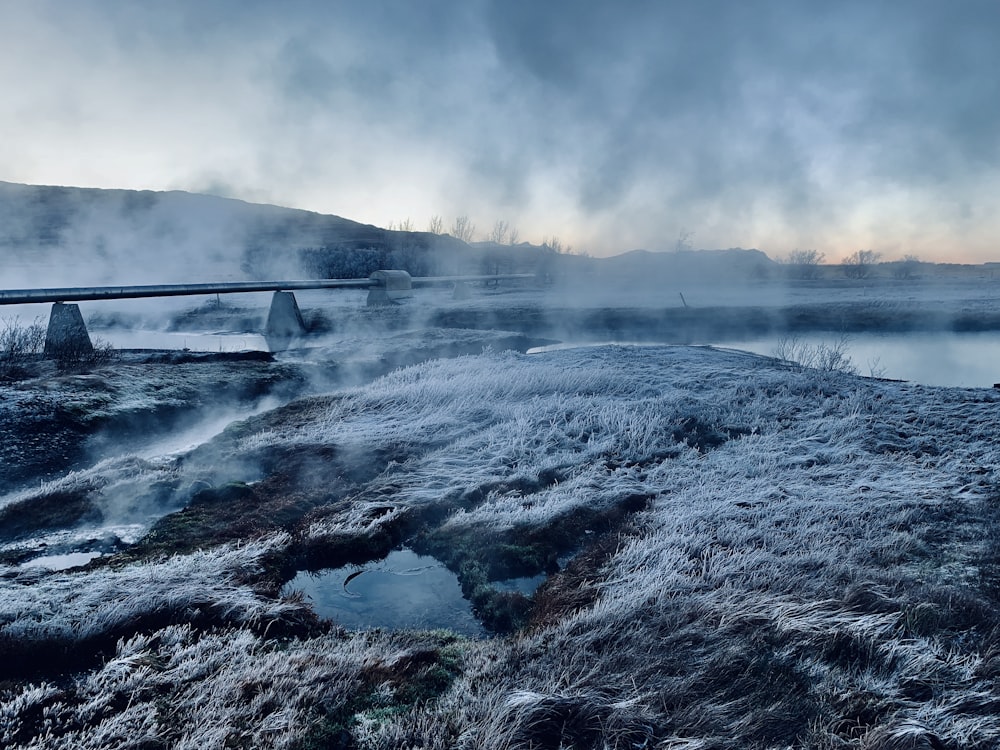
x: 778, y: 125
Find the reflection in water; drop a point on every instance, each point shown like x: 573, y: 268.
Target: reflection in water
x: 970, y: 360
x: 405, y: 590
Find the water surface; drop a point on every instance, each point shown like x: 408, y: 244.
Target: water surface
x: 970, y: 360
x: 62, y: 562
x: 121, y: 338
x: 405, y: 590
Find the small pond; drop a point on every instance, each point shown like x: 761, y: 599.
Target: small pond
x: 405, y: 590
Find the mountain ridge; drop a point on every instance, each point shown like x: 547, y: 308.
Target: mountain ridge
x: 74, y: 236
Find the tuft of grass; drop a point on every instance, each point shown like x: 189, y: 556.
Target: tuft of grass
x: 20, y: 345
x: 825, y: 357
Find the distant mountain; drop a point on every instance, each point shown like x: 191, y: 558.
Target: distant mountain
x: 74, y: 236
x: 67, y: 236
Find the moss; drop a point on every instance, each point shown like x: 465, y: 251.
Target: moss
x: 501, y: 611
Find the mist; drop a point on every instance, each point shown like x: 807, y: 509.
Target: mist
x: 771, y: 126
x: 705, y: 455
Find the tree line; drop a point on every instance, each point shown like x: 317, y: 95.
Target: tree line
x: 808, y: 264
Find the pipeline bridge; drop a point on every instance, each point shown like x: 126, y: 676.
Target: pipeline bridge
x: 67, y: 331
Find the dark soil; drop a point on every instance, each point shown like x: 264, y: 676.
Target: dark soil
x: 64, y: 422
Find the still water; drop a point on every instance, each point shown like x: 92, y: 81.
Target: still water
x: 405, y: 590
x: 195, y: 342
x: 970, y: 360
x: 62, y: 562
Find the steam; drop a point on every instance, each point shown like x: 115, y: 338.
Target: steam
x: 771, y: 125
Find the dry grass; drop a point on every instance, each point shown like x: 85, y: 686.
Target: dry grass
x: 813, y: 569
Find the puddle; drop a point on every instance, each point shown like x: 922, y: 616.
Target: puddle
x: 405, y: 590
x: 62, y: 562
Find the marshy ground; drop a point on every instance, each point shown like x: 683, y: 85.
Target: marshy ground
x: 733, y: 551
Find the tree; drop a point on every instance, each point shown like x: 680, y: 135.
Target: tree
x: 556, y: 245
x: 513, y: 236
x: 858, y: 265
x: 498, y: 235
x: 804, y: 264
x: 463, y: 229
x: 684, y: 238
x: 906, y: 268
x: 436, y: 224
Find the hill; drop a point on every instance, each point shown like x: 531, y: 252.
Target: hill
x: 69, y: 236
x: 73, y: 236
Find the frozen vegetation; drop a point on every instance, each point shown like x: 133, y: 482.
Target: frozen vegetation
x: 741, y: 552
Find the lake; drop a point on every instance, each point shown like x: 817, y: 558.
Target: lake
x: 970, y: 360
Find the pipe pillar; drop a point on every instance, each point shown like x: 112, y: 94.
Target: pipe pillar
x: 284, y: 322
x: 67, y: 333
x: 389, y: 287
x: 461, y: 291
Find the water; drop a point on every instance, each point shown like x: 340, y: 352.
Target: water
x: 196, y: 342
x: 62, y: 562
x: 970, y: 360
x: 405, y: 590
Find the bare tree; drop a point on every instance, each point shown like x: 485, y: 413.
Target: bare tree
x: 406, y: 225
x: 499, y: 233
x: 858, y: 265
x: 804, y: 264
x: 513, y: 236
x: 906, y: 269
x: 684, y: 238
x: 556, y: 245
x: 436, y: 224
x: 463, y: 229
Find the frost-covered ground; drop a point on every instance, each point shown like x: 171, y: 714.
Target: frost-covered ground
x: 758, y: 556
x: 52, y: 421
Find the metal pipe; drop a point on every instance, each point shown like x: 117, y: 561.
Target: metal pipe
x: 435, y: 280
x: 89, y: 293
x: 86, y: 293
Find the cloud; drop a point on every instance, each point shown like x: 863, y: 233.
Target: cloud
x: 776, y: 124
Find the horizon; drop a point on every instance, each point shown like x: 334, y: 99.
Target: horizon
x: 860, y: 126
x: 680, y: 246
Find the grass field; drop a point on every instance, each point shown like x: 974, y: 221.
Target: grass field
x: 739, y: 552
